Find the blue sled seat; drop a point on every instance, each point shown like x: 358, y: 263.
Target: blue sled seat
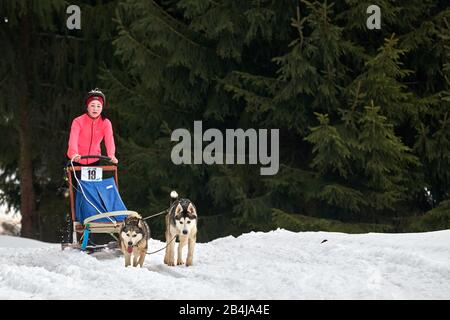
x: 103, y: 195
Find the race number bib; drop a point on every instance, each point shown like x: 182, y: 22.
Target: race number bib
x: 91, y: 174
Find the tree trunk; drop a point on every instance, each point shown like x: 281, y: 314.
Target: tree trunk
x: 30, y: 221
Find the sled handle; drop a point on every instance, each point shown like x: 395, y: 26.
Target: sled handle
x: 92, y: 156
x: 98, y: 157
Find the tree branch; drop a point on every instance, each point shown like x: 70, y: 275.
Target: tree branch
x: 57, y: 36
x: 172, y: 28
x: 118, y: 81
x: 298, y: 23
x: 129, y: 35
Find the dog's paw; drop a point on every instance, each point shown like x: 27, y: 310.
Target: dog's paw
x: 170, y: 262
x: 189, y: 262
x: 180, y: 262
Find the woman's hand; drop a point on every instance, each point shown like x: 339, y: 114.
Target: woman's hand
x: 76, y: 158
x: 114, y: 160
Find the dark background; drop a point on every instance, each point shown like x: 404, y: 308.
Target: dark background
x: 363, y: 114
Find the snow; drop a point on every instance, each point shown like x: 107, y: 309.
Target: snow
x: 275, y: 265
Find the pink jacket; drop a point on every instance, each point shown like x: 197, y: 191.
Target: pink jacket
x: 86, y: 135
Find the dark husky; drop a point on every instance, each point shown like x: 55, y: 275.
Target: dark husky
x: 181, y: 221
x: 133, y: 239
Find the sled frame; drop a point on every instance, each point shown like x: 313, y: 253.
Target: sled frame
x: 82, y: 229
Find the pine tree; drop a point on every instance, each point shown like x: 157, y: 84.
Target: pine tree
x: 332, y: 153
x: 279, y: 64
x: 355, y: 108
x: 386, y: 160
x: 174, y: 57
x: 332, y: 161
x: 433, y: 130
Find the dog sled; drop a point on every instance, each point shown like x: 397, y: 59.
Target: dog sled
x: 95, y: 205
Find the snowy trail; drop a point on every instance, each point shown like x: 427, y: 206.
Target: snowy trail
x: 275, y: 265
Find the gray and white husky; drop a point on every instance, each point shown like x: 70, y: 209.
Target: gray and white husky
x: 133, y: 239
x: 181, y: 221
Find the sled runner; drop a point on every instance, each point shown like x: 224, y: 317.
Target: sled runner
x: 95, y: 204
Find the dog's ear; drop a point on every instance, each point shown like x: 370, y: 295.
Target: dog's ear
x: 191, y: 209
x: 139, y: 224
x: 178, y: 209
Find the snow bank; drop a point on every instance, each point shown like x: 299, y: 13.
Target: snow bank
x: 273, y: 265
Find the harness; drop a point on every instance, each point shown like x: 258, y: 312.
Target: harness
x: 154, y: 215
x: 162, y: 248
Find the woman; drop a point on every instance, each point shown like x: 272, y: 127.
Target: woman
x: 88, y: 131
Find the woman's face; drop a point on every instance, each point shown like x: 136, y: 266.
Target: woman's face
x: 94, y: 109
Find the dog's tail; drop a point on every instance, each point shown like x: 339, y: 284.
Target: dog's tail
x: 173, y: 197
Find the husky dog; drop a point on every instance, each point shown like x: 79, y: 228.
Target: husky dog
x: 133, y: 239
x: 181, y: 221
